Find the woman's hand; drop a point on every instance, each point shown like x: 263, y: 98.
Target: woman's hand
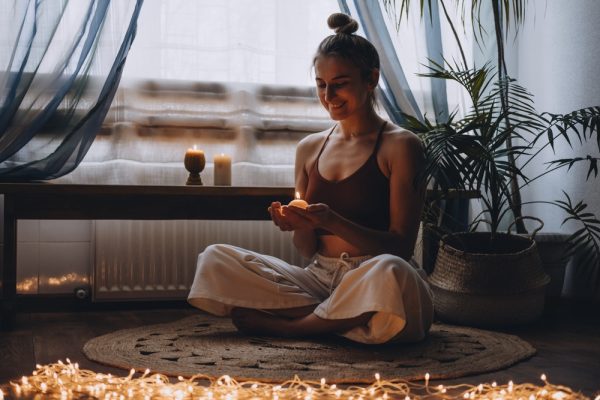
x: 316, y: 215
x: 290, y: 218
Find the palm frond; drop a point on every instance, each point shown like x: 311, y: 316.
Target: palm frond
x: 569, y: 162
x: 520, y: 109
x: 475, y: 80
x: 568, y: 126
x: 402, y: 9
x: 585, y: 241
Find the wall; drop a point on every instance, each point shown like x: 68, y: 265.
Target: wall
x: 557, y: 58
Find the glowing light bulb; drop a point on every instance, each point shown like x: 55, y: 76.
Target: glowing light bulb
x: 64, y: 381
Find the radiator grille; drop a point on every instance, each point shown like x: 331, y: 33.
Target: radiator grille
x: 145, y: 260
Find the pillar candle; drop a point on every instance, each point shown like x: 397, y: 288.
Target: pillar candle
x: 222, y: 170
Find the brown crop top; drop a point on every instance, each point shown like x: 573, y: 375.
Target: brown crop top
x: 363, y: 197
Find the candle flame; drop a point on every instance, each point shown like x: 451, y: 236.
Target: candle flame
x: 298, y: 195
x: 195, y: 148
x: 222, y: 154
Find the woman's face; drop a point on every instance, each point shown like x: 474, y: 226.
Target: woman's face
x: 341, y: 88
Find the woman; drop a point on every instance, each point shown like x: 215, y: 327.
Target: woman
x: 360, y: 227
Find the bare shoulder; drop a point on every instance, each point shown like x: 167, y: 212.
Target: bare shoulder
x: 400, y: 141
x: 311, y: 144
x: 314, y: 139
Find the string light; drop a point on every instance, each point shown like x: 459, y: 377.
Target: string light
x: 66, y: 381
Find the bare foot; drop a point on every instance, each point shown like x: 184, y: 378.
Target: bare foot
x: 255, y: 322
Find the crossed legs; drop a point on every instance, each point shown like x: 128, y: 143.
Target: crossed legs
x: 292, y: 322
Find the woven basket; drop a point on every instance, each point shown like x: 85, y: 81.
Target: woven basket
x: 480, y: 282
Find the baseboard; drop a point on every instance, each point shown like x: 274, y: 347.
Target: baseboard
x: 69, y: 303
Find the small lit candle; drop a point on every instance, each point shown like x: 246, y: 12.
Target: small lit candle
x: 194, y: 159
x: 298, y: 202
x: 222, y: 170
x: 194, y: 162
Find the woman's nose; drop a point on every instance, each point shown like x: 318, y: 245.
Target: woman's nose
x: 329, y: 93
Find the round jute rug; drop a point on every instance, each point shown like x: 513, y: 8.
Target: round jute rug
x: 208, y: 345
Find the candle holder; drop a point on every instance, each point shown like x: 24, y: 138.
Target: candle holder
x: 194, y: 162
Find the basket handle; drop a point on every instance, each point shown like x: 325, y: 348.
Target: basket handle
x: 453, y: 234
x: 532, y: 236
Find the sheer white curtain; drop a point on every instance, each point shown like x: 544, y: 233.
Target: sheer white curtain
x: 259, y: 41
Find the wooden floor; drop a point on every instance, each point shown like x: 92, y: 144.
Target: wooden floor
x: 567, y: 340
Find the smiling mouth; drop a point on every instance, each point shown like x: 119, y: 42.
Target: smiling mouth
x: 337, y: 106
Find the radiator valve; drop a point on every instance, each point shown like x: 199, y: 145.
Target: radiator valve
x: 82, y: 293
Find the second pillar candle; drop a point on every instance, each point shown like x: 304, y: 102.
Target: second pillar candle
x: 222, y: 170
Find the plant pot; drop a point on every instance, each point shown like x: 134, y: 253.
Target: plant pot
x: 482, y: 282
x: 552, y: 248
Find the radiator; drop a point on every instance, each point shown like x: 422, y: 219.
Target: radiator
x: 146, y: 260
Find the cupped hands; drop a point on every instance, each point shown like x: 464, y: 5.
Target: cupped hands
x: 290, y: 218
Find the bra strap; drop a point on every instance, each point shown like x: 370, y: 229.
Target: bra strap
x: 322, y: 148
x: 379, y: 136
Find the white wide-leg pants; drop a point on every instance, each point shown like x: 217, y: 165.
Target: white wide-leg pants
x: 344, y: 287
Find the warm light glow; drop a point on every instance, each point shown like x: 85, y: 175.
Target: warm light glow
x: 67, y: 381
x: 298, y: 202
x: 27, y: 285
x: 194, y: 150
x: 68, y: 278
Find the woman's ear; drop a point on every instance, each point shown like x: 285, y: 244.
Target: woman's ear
x: 373, y: 78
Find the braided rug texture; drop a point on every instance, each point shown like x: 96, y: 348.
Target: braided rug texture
x: 212, y: 346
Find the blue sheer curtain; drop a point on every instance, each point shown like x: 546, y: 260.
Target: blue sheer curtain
x: 60, y: 66
x: 395, y: 92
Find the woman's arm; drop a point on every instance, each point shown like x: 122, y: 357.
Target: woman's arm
x: 305, y: 238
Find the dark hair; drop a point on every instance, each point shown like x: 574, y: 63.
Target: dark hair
x: 345, y: 44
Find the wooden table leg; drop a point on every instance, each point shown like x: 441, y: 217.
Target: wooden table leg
x: 9, y: 267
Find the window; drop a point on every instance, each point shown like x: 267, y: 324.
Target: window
x: 256, y: 41
x: 230, y: 76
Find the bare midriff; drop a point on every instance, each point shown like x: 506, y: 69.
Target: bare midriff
x: 334, y: 246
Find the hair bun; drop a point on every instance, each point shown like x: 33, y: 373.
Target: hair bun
x: 342, y: 23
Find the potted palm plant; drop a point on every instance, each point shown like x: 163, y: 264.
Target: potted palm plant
x: 493, y: 277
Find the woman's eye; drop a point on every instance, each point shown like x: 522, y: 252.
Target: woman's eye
x: 336, y: 85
